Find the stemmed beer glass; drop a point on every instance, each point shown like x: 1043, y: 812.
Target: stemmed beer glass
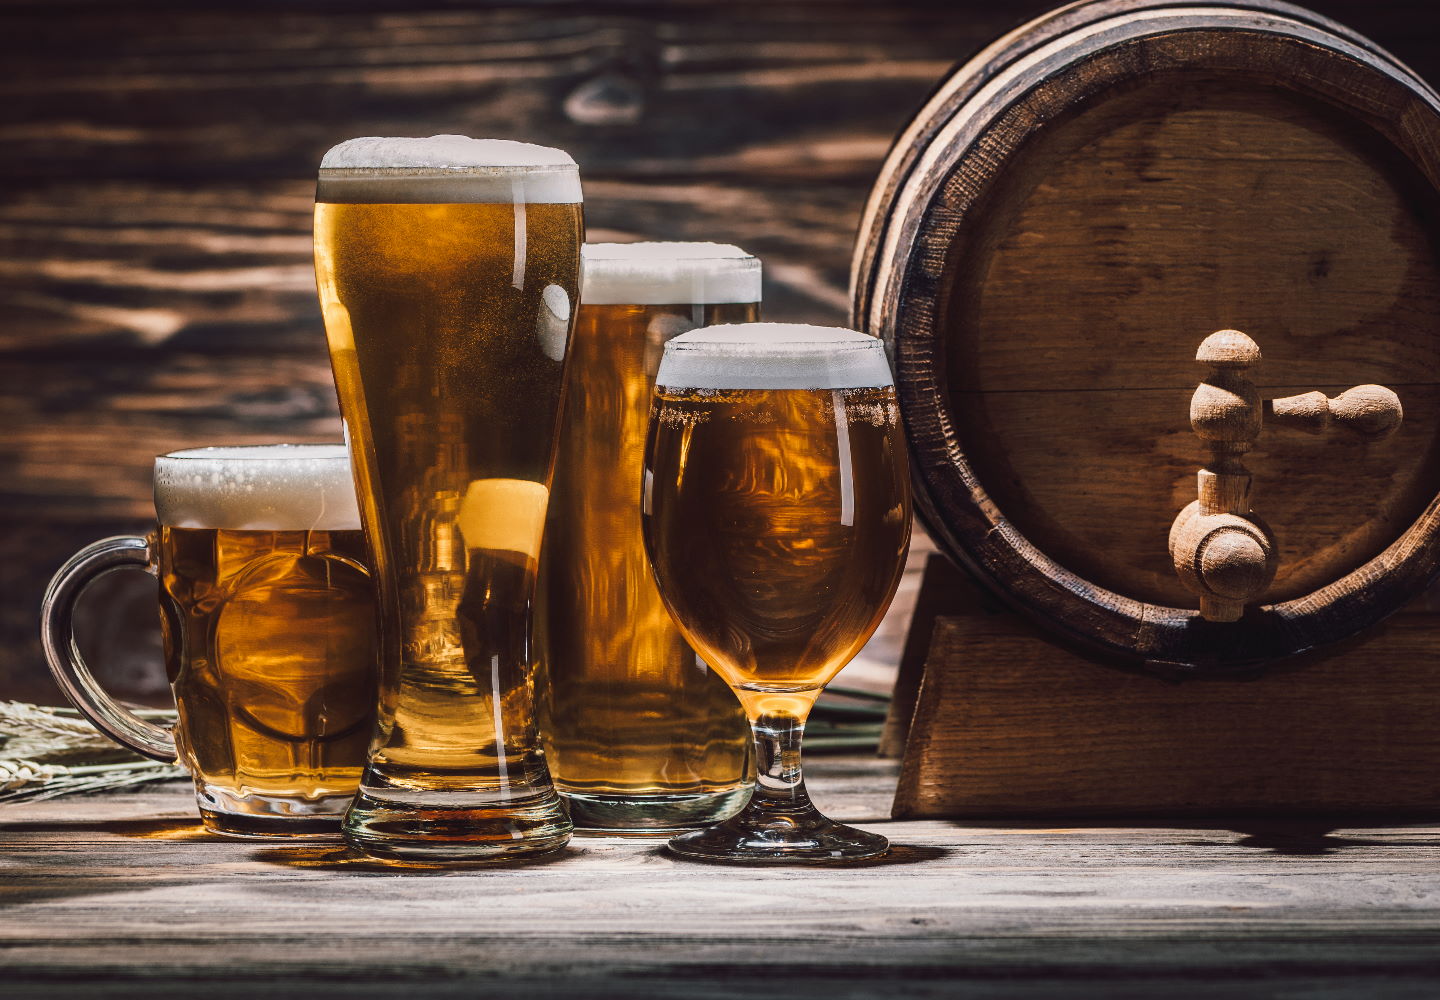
x: 777, y: 518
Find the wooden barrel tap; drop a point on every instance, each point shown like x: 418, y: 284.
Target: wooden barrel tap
x: 1223, y: 552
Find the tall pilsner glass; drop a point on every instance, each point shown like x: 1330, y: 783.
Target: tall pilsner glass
x: 777, y: 516
x: 643, y: 737
x: 447, y: 268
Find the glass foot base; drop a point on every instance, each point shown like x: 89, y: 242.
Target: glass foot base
x: 798, y: 840
x: 419, y: 827
x: 651, y: 815
x: 265, y: 816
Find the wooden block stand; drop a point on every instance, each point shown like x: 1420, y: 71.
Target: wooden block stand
x: 998, y: 720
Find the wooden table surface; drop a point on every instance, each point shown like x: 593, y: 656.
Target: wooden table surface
x: 125, y: 894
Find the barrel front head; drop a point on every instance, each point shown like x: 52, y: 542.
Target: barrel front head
x: 1046, y: 242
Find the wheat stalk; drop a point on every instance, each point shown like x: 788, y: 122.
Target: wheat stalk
x: 17, y: 719
x: 46, y: 752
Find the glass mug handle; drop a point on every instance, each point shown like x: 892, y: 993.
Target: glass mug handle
x: 57, y: 634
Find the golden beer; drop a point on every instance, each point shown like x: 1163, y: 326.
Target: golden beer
x: 270, y: 632
x: 779, y: 571
x: 273, y: 668
x: 640, y: 734
x: 447, y: 268
x: 777, y: 518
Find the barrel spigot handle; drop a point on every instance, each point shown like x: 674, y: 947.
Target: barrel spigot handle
x: 1223, y: 552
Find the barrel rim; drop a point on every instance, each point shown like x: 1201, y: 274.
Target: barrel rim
x: 961, y: 82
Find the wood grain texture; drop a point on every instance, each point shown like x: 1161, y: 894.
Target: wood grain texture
x: 1007, y: 723
x: 1106, y: 518
x: 155, y: 215
x: 1192, y: 213
x: 1066, y: 239
x: 124, y: 895
x: 941, y: 589
x: 156, y: 285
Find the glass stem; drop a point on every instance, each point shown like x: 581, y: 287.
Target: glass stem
x: 779, y: 785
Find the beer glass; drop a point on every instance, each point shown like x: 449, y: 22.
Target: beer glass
x: 641, y: 735
x: 777, y: 518
x: 446, y: 268
x: 268, y: 618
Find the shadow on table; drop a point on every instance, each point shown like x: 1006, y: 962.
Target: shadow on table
x: 1299, y: 838
x: 899, y: 854
x: 337, y: 857
x: 34, y: 872
x: 1291, y: 836
x: 172, y: 828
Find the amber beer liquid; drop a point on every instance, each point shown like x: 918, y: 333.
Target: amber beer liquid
x: 447, y: 270
x: 270, y: 632
x: 641, y: 734
x: 779, y: 514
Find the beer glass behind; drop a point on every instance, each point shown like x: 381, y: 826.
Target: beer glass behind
x: 447, y: 268
x: 641, y: 735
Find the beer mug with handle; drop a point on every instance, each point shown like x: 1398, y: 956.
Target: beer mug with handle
x: 268, y: 616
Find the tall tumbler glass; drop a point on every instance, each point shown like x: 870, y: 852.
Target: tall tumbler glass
x: 642, y: 735
x: 446, y: 268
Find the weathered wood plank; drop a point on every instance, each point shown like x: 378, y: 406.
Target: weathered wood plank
x: 123, y: 890
x: 134, y: 270
x: 1008, y: 723
x: 155, y: 273
x: 156, y: 203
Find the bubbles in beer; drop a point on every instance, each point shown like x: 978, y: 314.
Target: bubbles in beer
x: 446, y: 169
x: 260, y: 488
x: 668, y: 274
x: 773, y: 356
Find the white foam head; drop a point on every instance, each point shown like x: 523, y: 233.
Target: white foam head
x: 445, y: 169
x: 279, y: 487
x: 773, y: 356
x: 643, y: 274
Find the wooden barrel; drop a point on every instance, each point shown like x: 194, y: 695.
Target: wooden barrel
x: 1056, y: 232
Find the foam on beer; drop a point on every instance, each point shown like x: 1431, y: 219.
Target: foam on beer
x: 773, y: 356
x: 644, y: 274
x: 283, y: 487
x: 446, y: 169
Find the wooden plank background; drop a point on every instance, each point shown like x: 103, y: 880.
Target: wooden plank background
x: 156, y: 289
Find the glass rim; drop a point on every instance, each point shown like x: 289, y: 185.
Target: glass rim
x: 668, y: 272
x: 592, y: 253
x: 325, y: 452
x: 458, y: 171
x: 773, y: 356
x: 774, y: 339
x: 819, y: 348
